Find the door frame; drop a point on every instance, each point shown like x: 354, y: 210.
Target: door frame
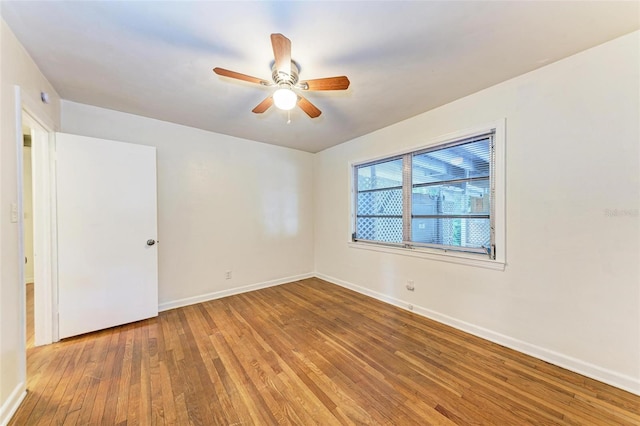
x: 44, y: 220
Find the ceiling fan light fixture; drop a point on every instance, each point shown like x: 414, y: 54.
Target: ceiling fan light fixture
x: 284, y: 78
x: 285, y: 99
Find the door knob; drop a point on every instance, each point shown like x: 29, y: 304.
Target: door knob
x: 151, y: 242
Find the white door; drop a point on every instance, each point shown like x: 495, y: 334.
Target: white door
x: 107, y: 226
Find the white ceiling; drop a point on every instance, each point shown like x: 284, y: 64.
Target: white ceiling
x: 155, y: 59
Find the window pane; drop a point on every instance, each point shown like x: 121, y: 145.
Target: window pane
x: 452, y: 198
x: 380, y: 175
x: 456, y: 162
x: 380, y: 194
x: 378, y: 203
x: 384, y: 229
x: 452, y: 232
x: 452, y: 181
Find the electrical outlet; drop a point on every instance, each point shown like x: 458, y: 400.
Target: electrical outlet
x: 227, y: 275
x: 410, y: 285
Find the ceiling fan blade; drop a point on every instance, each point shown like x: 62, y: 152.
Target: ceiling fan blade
x: 308, y: 107
x: 282, y: 53
x: 263, y: 106
x: 232, y: 74
x: 329, y: 83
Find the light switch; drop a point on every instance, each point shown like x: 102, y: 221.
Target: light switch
x: 14, y: 212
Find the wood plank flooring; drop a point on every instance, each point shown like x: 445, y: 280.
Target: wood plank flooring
x: 304, y: 353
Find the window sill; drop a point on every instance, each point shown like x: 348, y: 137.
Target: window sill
x: 442, y: 256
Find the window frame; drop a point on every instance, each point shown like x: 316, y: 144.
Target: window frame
x: 442, y: 253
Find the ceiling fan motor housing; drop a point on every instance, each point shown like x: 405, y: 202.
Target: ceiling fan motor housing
x: 281, y: 78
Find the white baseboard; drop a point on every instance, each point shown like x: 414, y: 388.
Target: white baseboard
x: 587, y: 369
x: 230, y: 292
x: 10, y: 406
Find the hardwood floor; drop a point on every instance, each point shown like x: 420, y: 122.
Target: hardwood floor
x: 304, y: 353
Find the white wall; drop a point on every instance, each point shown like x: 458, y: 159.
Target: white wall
x: 570, y: 292
x: 223, y: 204
x: 16, y: 68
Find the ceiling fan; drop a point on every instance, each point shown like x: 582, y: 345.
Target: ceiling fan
x: 284, y: 75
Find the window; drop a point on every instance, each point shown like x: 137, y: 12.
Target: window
x: 438, y: 197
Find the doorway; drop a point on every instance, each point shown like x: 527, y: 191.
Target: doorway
x: 39, y: 252
x: 27, y: 212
